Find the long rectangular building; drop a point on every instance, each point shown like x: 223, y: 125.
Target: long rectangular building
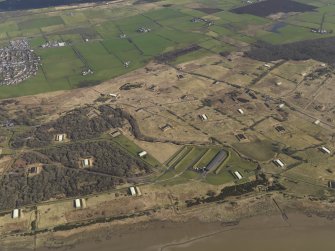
x: 217, y: 160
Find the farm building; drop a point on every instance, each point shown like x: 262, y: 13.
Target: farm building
x: 60, y: 137
x: 281, y: 106
x: 77, y: 203
x: 142, y: 154
x: 132, y: 191
x: 217, y: 160
x: 279, y: 163
x: 325, y: 150
x: 238, y: 175
x: 16, y: 213
x: 86, y: 162
x: 203, y: 117
x: 135, y: 191
x: 240, y: 111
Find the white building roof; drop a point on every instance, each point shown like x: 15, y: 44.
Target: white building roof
x: 142, y: 154
x: 132, y: 191
x: 77, y: 203
x: 15, y: 213
x: 240, y: 111
x: 238, y: 175
x: 325, y: 149
x: 279, y: 162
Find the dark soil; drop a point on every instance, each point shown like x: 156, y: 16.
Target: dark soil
x: 266, y: 8
x: 318, y: 49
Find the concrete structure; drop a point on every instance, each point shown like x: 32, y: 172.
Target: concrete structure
x: 16, y: 213
x: 115, y: 133
x: 203, y: 117
x: 238, y: 175
x: 83, y: 203
x: 86, y: 162
x: 138, y: 191
x: 240, y: 111
x: 132, y: 191
x: 325, y: 150
x: 142, y: 154
x: 77, y: 203
x: 279, y: 163
x: 60, y: 137
x: 316, y: 122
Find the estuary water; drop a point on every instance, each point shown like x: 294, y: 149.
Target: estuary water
x: 298, y: 233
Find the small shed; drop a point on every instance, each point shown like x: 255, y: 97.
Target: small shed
x: 86, y: 162
x: 16, y: 213
x: 77, y: 203
x: 203, y: 117
x: 132, y: 191
x: 279, y: 163
x: 60, y: 137
x: 240, y: 111
x: 142, y: 154
x: 238, y: 175
x: 325, y: 150
x: 316, y: 122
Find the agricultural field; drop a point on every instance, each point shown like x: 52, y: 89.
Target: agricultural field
x: 92, y: 37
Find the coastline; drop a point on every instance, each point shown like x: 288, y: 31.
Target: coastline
x: 214, y: 225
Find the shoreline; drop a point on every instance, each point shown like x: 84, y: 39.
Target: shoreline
x: 178, y: 231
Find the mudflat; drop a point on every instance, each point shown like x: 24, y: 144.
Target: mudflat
x: 298, y: 232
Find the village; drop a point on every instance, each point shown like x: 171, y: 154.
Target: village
x: 18, y: 62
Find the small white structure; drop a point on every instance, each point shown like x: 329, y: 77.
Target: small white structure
x: 61, y: 44
x: 281, y: 106
x: 267, y: 66
x: 83, y: 203
x: 325, y: 150
x: 132, y: 191
x: 203, y: 117
x: 86, y: 162
x: 138, y: 191
x: 60, y: 137
x: 16, y: 213
x: 142, y: 154
x: 238, y: 175
x: 77, y: 203
x: 316, y: 122
x: 279, y: 83
x: 279, y: 163
x: 240, y: 111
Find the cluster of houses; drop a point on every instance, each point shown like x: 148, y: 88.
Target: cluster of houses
x: 200, y: 19
x: 17, y: 62
x: 53, y: 44
x: 143, y: 30
x: 87, y: 72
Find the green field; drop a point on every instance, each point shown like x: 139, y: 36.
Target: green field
x: 171, y: 28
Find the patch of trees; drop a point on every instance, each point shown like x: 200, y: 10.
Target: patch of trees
x: 268, y: 7
x: 108, y: 158
x: 76, y: 125
x: 319, y: 49
x: 236, y: 190
x: 17, y: 190
x: 172, y: 55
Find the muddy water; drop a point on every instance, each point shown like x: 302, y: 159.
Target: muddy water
x: 299, y: 232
